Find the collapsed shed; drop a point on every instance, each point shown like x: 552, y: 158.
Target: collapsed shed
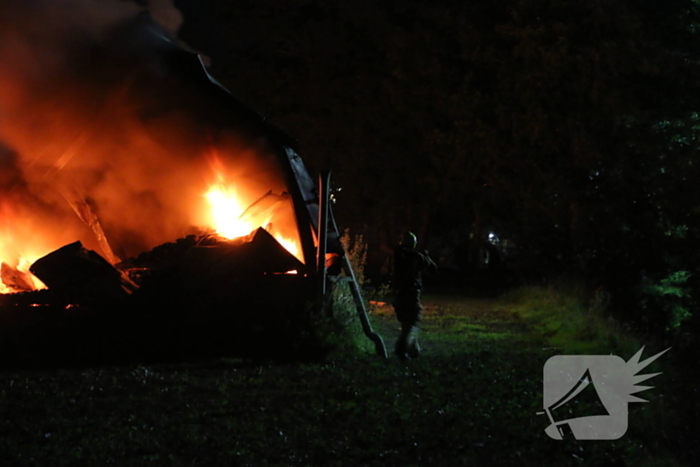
x: 160, y: 125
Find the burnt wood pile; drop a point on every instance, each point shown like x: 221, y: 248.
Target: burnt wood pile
x: 200, y: 295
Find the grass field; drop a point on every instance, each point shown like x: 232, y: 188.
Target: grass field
x: 471, y: 399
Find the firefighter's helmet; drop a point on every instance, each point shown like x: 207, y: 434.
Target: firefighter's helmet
x: 408, y: 240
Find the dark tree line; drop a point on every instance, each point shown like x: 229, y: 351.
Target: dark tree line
x: 567, y: 126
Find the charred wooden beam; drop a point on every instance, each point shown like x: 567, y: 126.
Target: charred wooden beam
x: 82, y: 275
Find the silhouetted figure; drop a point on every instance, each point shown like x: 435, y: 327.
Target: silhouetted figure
x: 407, y: 284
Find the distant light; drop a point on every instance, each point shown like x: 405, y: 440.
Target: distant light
x: 493, y: 238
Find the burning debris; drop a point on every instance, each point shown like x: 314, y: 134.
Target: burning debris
x: 221, y: 273
x: 200, y: 295
x: 14, y: 279
x: 77, y: 275
x: 131, y: 145
x: 254, y: 255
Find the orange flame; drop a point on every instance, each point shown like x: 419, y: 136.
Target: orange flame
x: 229, y: 219
x: 19, y: 248
x: 290, y: 245
x: 226, y: 210
x: 106, y: 139
x: 21, y: 264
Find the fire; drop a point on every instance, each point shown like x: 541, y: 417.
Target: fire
x: 15, y: 275
x: 226, y: 210
x: 20, y: 246
x: 230, y: 219
x: 117, y: 153
x: 290, y: 245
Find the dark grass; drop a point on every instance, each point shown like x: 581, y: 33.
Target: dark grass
x: 471, y: 399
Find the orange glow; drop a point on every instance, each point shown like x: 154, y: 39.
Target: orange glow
x: 19, y: 248
x: 226, y: 210
x: 230, y: 219
x: 290, y: 245
x: 119, y: 153
x: 22, y: 265
x: 293, y: 272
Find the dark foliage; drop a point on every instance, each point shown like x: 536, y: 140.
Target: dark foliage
x: 567, y: 127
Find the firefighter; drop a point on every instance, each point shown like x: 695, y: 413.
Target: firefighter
x: 409, y: 264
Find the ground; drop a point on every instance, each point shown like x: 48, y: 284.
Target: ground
x: 472, y: 398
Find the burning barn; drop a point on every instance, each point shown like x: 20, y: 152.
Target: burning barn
x: 132, y: 182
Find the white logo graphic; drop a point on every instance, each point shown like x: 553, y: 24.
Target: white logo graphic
x: 586, y: 396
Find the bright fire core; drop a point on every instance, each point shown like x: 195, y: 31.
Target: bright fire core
x: 226, y: 210
x: 230, y: 219
x: 227, y: 216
